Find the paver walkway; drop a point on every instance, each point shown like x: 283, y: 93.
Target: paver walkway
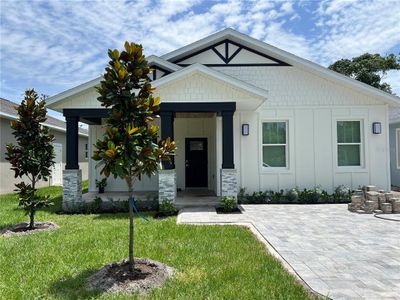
x: 337, y: 253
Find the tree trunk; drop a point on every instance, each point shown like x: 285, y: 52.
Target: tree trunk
x: 32, y: 211
x: 131, y: 227
x: 31, y: 219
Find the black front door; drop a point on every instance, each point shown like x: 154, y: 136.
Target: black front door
x: 196, y: 162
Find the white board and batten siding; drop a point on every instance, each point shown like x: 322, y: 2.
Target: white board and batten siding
x: 311, y: 106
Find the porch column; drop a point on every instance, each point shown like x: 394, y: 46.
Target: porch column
x: 228, y: 172
x: 167, y: 130
x: 72, y: 143
x: 72, y: 175
x: 167, y: 176
x: 227, y: 140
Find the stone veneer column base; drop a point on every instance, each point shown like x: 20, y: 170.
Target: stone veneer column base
x: 72, y: 190
x: 229, y: 182
x: 167, y: 185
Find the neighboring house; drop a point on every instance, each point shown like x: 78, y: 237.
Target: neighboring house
x: 57, y: 128
x: 394, y: 137
x: 247, y: 114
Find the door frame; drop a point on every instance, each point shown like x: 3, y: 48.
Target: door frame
x: 187, y: 141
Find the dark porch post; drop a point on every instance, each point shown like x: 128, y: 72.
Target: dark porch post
x: 227, y: 140
x: 72, y: 143
x: 167, y: 130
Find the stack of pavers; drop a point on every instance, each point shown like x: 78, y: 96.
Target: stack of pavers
x: 369, y: 200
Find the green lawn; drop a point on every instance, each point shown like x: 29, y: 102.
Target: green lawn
x: 212, y: 262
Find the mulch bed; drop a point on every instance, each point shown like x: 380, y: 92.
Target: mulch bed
x: 161, y: 215
x: 22, y: 228
x: 221, y: 211
x: 115, y: 277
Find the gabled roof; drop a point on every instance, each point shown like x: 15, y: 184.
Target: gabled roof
x: 152, y: 59
x: 166, y: 62
x: 7, y: 111
x: 201, y: 69
x: 155, y: 60
x: 282, y: 55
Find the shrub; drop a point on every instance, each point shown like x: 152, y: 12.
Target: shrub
x: 101, y: 184
x: 242, y: 196
x: 275, y: 197
x: 306, y: 196
x: 96, y: 205
x: 342, y: 194
x: 292, y: 195
x: 259, y: 197
x: 167, y: 207
x: 228, y: 204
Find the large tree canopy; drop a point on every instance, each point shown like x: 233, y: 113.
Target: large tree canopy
x: 368, y: 68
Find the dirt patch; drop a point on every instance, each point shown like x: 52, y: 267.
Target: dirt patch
x: 234, y: 211
x: 162, y: 215
x: 22, y: 228
x: 115, y: 277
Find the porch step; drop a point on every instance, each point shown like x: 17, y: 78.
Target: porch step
x: 196, y: 202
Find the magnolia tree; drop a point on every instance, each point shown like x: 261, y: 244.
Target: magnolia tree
x: 129, y: 148
x: 33, y: 155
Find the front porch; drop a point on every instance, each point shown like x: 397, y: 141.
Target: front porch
x: 212, y: 174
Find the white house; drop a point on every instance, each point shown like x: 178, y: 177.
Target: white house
x: 247, y: 114
x: 57, y: 129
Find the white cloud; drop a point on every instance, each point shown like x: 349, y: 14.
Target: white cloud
x: 393, y: 78
x: 334, y: 6
x: 351, y: 28
x: 290, y: 42
x: 58, y: 44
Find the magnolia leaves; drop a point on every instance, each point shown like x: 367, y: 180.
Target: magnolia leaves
x: 129, y: 147
x: 33, y: 155
x: 130, y: 62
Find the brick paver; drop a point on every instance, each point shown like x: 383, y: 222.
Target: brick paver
x: 337, y: 253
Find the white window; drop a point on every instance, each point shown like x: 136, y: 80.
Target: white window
x: 86, y: 151
x: 274, y: 144
x: 398, y: 147
x: 349, y: 143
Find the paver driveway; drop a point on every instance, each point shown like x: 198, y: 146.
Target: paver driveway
x: 337, y: 253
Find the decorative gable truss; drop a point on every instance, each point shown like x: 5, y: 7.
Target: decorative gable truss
x: 158, y: 72
x: 160, y: 67
x: 229, y: 53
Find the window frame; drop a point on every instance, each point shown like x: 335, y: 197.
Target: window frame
x: 86, y: 151
x: 286, y: 167
x: 361, y: 144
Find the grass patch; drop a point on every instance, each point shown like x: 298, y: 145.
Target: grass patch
x: 212, y: 262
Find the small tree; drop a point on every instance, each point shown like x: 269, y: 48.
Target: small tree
x: 368, y: 68
x: 129, y: 148
x: 33, y: 155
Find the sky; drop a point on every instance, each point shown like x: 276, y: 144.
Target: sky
x: 55, y: 45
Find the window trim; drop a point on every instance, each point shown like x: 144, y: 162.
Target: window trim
x: 361, y: 144
x: 286, y: 167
